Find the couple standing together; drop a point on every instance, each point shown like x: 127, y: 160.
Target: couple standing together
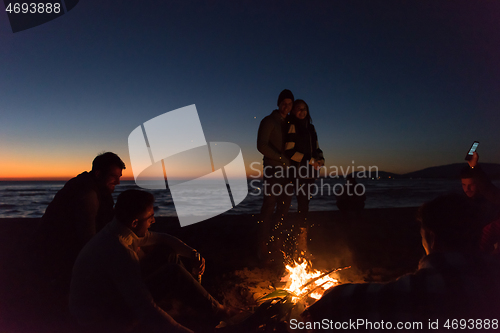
x: 292, y: 159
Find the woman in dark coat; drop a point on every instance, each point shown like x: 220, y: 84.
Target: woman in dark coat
x: 306, y: 158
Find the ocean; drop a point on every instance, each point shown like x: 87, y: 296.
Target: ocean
x: 30, y: 198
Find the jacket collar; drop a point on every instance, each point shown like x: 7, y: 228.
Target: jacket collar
x: 277, y: 114
x: 126, y: 236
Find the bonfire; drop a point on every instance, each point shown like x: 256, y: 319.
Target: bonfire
x: 302, y: 280
x: 301, y: 286
x: 276, y: 303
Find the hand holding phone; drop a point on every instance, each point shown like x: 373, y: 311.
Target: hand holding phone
x: 472, y: 149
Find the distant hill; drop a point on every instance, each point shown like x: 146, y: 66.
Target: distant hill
x: 445, y: 171
x: 453, y: 171
x: 381, y: 174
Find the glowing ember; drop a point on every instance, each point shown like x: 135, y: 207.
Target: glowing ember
x: 299, y: 281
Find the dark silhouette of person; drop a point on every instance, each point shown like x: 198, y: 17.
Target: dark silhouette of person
x: 486, y: 196
x: 271, y: 143
x: 351, y: 200
x: 306, y: 158
x: 453, y: 280
x: 80, y: 209
x: 116, y: 287
x: 480, y: 191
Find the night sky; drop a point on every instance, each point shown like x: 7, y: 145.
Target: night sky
x: 401, y: 85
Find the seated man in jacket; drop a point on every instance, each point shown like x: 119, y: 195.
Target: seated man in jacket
x: 111, y: 291
x: 454, y: 280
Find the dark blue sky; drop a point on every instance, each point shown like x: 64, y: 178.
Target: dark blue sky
x: 402, y: 85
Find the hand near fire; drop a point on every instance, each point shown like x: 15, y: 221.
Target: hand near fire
x: 198, y: 264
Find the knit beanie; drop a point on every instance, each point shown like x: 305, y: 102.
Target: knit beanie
x: 284, y: 95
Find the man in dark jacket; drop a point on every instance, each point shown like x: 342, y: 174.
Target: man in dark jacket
x: 78, y: 211
x: 271, y: 143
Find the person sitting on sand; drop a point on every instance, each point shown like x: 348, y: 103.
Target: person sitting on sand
x: 306, y: 158
x: 350, y: 200
x: 271, y: 143
x: 480, y: 191
x: 79, y: 210
x: 116, y: 287
x: 486, y: 196
x: 454, y: 279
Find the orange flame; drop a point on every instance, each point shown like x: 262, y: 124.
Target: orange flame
x: 299, y: 274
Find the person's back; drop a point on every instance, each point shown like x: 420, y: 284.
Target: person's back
x: 80, y: 209
x: 454, y: 280
x: 58, y: 229
x: 446, y: 286
x: 94, y: 299
x: 351, y: 199
x: 67, y: 202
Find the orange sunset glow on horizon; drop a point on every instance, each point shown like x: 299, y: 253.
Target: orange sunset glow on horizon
x: 49, y: 171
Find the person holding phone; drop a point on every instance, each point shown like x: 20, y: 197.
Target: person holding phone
x: 479, y: 188
x: 306, y: 158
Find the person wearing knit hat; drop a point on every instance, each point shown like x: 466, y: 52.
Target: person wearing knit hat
x: 284, y: 95
x: 271, y: 143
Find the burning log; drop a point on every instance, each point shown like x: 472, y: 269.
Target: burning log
x: 324, y: 285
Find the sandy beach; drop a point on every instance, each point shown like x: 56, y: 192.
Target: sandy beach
x: 378, y: 244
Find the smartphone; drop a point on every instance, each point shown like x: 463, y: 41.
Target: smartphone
x: 472, y: 149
